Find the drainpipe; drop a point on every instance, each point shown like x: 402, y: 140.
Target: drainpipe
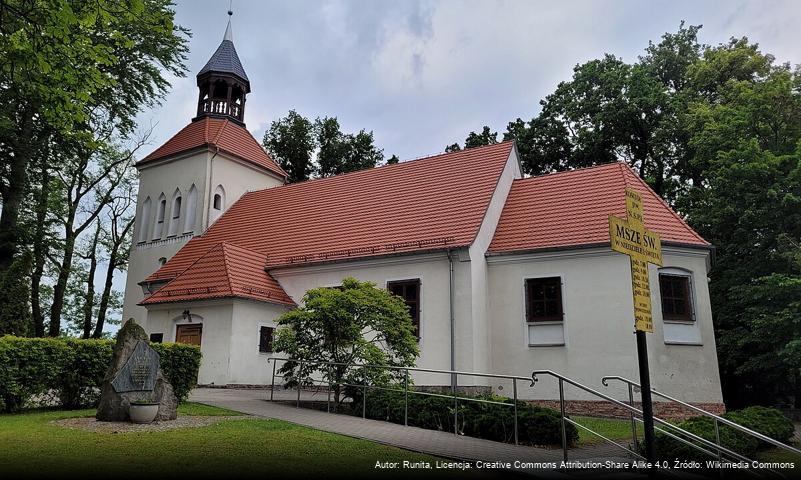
x: 452, y: 319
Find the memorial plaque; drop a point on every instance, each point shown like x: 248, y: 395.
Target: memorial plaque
x: 139, y: 372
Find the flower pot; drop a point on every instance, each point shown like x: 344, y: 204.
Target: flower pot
x: 143, y: 412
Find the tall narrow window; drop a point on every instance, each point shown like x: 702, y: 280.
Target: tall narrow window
x: 144, y: 220
x: 544, y: 300
x: 158, y: 228
x: 176, y: 213
x: 266, y: 339
x: 217, y: 201
x: 676, y: 297
x: 191, y: 210
x: 409, y: 291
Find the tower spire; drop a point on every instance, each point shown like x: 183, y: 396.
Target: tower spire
x: 222, y: 82
x: 228, y: 33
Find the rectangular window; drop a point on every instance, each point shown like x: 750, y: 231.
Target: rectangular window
x: 676, y: 300
x: 266, y: 339
x: 544, y: 300
x: 409, y: 291
x: 156, y: 337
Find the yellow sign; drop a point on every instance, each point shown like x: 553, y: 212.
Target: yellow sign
x: 643, y: 246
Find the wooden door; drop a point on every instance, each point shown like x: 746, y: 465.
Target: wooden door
x: 189, y: 334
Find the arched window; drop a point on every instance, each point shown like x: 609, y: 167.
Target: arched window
x: 158, y: 227
x: 144, y: 220
x: 218, y: 203
x: 176, y: 213
x: 191, y: 210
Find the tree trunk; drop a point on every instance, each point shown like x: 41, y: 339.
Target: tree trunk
x: 106, y: 295
x: 61, y: 285
x: 39, y: 251
x: 89, y: 299
x: 14, y: 193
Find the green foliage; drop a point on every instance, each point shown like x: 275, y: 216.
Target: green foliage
x: 69, y: 372
x: 294, y: 140
x: 767, y: 421
x: 291, y: 142
x: 355, y: 323
x: 536, y: 425
x: 180, y: 364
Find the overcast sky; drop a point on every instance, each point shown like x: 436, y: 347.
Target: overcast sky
x: 422, y: 74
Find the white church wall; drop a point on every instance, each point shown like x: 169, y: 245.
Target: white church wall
x: 248, y: 366
x: 215, y: 342
x: 433, y: 272
x: 598, y: 326
x: 154, y: 180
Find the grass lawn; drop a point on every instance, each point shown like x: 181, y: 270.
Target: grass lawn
x: 614, y: 429
x: 232, y: 448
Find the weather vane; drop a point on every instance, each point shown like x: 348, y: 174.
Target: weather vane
x: 230, y: 7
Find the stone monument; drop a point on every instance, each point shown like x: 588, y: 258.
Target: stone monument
x: 134, y: 375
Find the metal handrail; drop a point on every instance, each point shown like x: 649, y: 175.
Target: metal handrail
x: 717, y: 418
x: 562, y: 379
x: 406, y: 391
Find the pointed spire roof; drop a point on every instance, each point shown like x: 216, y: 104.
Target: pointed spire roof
x: 225, y: 58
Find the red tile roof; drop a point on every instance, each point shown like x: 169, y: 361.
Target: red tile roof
x: 224, y: 271
x: 426, y: 204
x: 209, y: 133
x: 572, y: 208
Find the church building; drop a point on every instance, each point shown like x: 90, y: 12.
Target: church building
x: 502, y: 273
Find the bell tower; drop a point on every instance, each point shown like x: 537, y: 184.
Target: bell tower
x: 189, y: 182
x: 222, y: 83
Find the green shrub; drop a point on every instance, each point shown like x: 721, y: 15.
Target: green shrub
x: 68, y: 372
x: 180, y: 363
x: 495, y: 421
x: 86, y: 364
x: 767, y: 421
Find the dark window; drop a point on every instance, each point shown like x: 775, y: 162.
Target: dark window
x: 162, y: 207
x: 676, y: 300
x: 266, y: 339
x: 217, y: 202
x: 409, y: 290
x: 176, y: 208
x: 544, y: 300
x: 156, y: 337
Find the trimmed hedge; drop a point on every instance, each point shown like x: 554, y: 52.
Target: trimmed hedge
x: 536, y: 425
x: 767, y: 421
x: 68, y: 372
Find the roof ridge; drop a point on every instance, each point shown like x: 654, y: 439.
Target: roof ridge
x: 226, y: 266
x: 219, y: 132
x: 380, y: 167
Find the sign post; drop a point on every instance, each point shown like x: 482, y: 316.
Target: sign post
x: 630, y: 237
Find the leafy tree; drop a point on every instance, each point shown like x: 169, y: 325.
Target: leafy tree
x: 342, y: 153
x: 355, y: 323
x: 291, y: 142
x: 747, y: 141
x: 65, y: 65
x: 486, y: 137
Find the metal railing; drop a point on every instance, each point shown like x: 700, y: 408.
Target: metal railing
x: 454, y: 374
x: 670, y: 430
x: 716, y: 418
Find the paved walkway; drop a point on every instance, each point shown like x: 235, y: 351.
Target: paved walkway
x: 437, y: 443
